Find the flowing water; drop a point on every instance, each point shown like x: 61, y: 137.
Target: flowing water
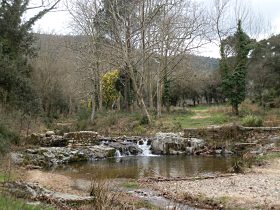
x: 144, y: 166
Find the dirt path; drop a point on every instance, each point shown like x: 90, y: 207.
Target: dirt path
x: 257, y: 189
x: 201, y: 114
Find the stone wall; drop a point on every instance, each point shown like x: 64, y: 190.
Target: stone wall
x: 84, y: 138
x: 225, y: 135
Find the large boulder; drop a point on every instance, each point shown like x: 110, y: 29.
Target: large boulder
x: 125, y: 148
x: 49, y: 139
x: 175, y: 143
x: 53, y: 141
x: 50, y: 133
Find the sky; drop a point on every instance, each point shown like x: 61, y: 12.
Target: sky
x: 59, y: 22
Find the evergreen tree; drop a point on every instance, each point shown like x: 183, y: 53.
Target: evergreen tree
x: 233, y: 66
x: 16, y: 47
x: 166, y: 96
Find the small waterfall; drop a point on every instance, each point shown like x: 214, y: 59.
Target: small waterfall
x: 118, y: 153
x: 145, y: 147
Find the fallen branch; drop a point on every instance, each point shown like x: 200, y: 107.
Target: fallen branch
x: 165, y: 179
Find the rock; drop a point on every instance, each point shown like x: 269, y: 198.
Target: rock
x: 174, y: 143
x: 47, y: 140
x: 258, y: 151
x: 103, y: 151
x: 163, y: 143
x: 17, y: 158
x: 81, y: 135
x: 35, y: 192
x: 189, y: 150
x: 35, y: 138
x: 126, y: 148
x: 226, y: 152
x: 70, y: 199
x: 196, y: 143
x: 49, y: 156
x: 269, y: 146
x: 175, y: 152
x: 53, y: 141
x: 218, y: 151
x: 50, y: 133
x: 275, y: 139
x: 31, y: 151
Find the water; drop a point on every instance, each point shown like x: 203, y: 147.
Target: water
x: 145, y: 147
x: 144, y: 166
x: 118, y: 153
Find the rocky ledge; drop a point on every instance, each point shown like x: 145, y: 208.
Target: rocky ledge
x: 55, y: 148
x: 50, y: 156
x: 35, y: 192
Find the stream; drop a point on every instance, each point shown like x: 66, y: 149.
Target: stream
x: 135, y: 167
x: 127, y: 167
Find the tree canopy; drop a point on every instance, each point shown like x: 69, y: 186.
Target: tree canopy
x: 233, y: 66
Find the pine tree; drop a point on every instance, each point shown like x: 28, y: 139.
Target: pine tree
x: 233, y: 69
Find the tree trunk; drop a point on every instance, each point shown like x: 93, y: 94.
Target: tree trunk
x: 140, y: 97
x: 158, y: 96
x: 100, y: 95
x: 150, y: 92
x: 93, y: 105
x: 119, y: 103
x: 235, y: 109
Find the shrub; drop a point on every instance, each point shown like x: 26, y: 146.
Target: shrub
x: 144, y: 120
x: 83, y: 114
x: 252, y: 121
x: 7, y: 137
x: 139, y: 130
x: 248, y: 107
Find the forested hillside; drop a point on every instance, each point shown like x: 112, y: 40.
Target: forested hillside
x: 129, y: 57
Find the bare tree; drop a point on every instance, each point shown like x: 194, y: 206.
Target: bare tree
x: 143, y: 38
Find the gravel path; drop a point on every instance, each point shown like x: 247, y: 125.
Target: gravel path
x: 259, y: 189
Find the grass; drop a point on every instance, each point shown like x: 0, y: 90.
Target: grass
x: 8, y: 203
x: 187, y: 121
x: 2, y: 177
x: 145, y: 205
x: 265, y: 158
x: 116, y: 123
x: 131, y: 185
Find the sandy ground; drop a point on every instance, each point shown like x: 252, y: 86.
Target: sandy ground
x: 58, y: 183
x: 258, y: 189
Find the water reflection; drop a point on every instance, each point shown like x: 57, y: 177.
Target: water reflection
x: 138, y: 167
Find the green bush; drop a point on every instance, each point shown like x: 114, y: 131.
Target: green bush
x: 83, y: 119
x: 84, y: 114
x: 144, y: 120
x: 252, y: 121
x: 139, y: 130
x: 7, y: 137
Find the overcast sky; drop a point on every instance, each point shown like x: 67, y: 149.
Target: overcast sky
x: 59, y: 22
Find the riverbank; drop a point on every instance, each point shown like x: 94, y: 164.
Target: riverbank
x: 257, y: 189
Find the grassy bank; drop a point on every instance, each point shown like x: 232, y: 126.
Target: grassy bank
x: 9, y: 203
x: 123, y: 123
